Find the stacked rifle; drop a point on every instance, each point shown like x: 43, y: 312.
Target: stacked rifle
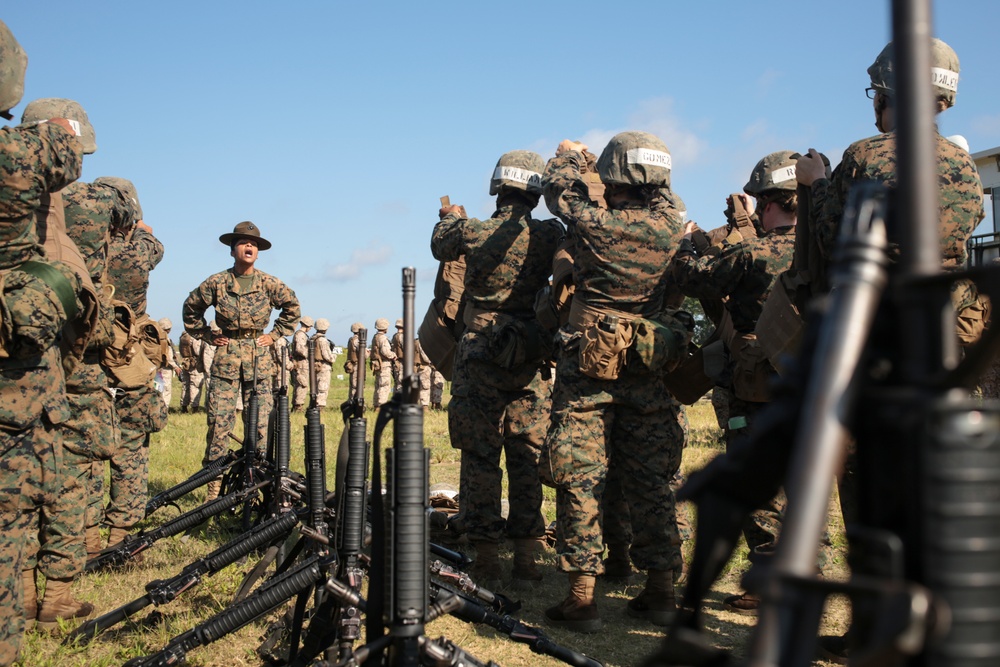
x: 317, y: 544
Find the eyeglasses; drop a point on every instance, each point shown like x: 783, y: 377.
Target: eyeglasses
x: 871, y: 93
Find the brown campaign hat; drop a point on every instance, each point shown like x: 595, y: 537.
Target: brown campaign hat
x: 246, y: 230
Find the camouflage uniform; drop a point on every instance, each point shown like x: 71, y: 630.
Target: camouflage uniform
x: 194, y: 372
x: 141, y: 411
x: 324, y: 359
x: 33, y: 162
x: 437, y: 389
x: 353, y: 366
x: 619, y: 256
x: 423, y: 369
x: 499, y: 407
x: 169, y: 365
x: 744, y: 273
x: 381, y: 358
x: 396, y: 343
x: 242, y: 317
x: 281, y: 343
x: 300, y: 359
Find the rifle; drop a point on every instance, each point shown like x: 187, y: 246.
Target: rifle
x: 163, y: 591
x: 250, y: 445
x: 213, y: 470
x: 133, y: 545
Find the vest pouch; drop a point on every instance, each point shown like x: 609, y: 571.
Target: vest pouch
x: 603, y: 348
x: 752, y: 371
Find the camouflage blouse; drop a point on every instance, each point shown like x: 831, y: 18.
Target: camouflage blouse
x: 621, y: 255
x: 238, y: 312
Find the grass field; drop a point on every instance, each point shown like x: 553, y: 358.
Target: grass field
x: 175, y: 453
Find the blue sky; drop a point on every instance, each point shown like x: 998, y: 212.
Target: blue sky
x: 336, y: 127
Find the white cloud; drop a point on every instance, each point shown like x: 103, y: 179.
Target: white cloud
x: 655, y: 116
x: 374, y: 254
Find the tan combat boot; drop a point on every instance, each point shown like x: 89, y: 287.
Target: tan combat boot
x: 486, y: 569
x: 30, y: 598
x: 212, y: 490
x: 618, y: 565
x: 92, y: 537
x: 58, y: 604
x: 525, y: 572
x: 656, y: 602
x: 578, y: 612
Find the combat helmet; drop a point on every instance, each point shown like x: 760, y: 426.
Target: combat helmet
x: 306, y: 321
x: 356, y: 327
x: 13, y: 64
x: 944, y: 71
x: 322, y: 324
x: 39, y: 111
x: 381, y: 324
x: 399, y: 323
x: 165, y: 323
x: 520, y: 170
x: 775, y: 171
x: 127, y: 188
x: 635, y: 158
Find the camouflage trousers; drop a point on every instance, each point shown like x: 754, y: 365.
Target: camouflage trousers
x: 140, y: 412
x: 30, y: 462
x: 634, y: 422
x: 383, y: 386
x: 323, y: 373
x: 194, y: 381
x: 763, y: 528
x: 221, y: 412
x: 616, y: 518
x: 167, y: 375
x: 300, y: 383
x: 352, y: 389
x: 437, y: 387
x: 424, y: 378
x: 496, y: 411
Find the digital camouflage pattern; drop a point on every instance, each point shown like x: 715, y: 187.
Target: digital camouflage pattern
x: 194, y: 371
x: 41, y: 110
x: 508, y: 257
x: 380, y: 359
x: 232, y: 371
x: 634, y: 158
x: 499, y: 407
x: 620, y: 261
x: 619, y: 255
x: 132, y: 256
x: 961, y: 192
x: 33, y: 161
x: 744, y: 272
x: 324, y: 367
x: 13, y: 63
x: 92, y: 211
x: 300, y: 361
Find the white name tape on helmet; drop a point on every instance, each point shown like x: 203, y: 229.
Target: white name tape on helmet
x: 530, y: 178
x: 75, y: 124
x: 945, y: 78
x: 648, y: 156
x: 783, y: 174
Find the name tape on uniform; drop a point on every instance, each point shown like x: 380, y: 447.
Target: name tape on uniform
x: 648, y: 156
x: 783, y: 174
x: 530, y: 178
x: 945, y: 78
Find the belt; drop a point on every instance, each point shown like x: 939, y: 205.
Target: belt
x: 243, y: 333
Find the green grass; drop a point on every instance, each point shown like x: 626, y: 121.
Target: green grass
x: 175, y: 453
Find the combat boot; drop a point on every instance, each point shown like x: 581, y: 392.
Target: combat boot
x: 486, y: 569
x: 212, y: 490
x: 30, y: 598
x: 578, y: 612
x: 618, y: 566
x: 92, y: 538
x: 58, y: 604
x: 525, y: 572
x: 656, y: 602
